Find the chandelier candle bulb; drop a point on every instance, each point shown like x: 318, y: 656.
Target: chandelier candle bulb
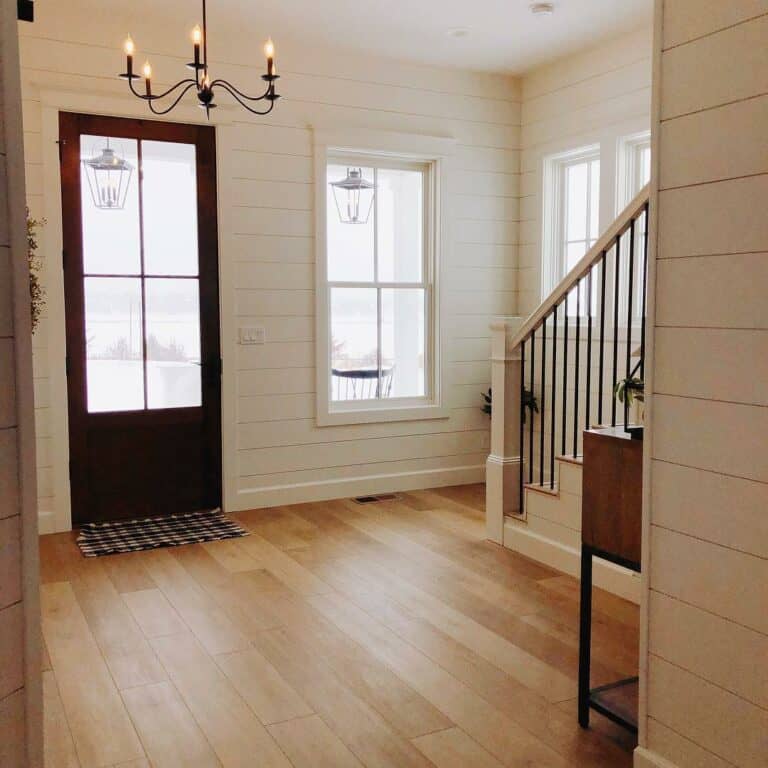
x: 197, y: 37
x: 269, y: 52
x: 129, y: 49
x: 148, y: 77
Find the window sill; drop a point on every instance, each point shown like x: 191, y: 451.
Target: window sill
x: 341, y: 416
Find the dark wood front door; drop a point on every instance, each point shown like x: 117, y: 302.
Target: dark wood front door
x: 142, y: 316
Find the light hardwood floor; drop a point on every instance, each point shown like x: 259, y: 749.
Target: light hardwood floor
x: 336, y: 635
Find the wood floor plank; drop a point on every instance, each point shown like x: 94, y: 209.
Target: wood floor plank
x: 230, y: 556
x: 101, y: 729
x: 310, y: 743
x: 127, y: 572
x: 125, y: 649
x: 364, y: 731
x: 169, y: 732
x: 497, y: 733
x: 262, y: 687
x: 231, y: 727
x: 401, y: 706
x: 454, y: 749
x: 58, y: 747
x: 153, y: 613
x: 199, y: 611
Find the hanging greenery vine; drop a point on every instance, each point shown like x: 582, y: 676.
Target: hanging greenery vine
x: 36, y: 290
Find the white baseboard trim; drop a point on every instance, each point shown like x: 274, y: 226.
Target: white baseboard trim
x: 605, y: 575
x: 276, y: 495
x: 46, y: 521
x: 644, y: 758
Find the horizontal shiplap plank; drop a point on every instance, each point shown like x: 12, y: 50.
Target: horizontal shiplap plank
x: 298, y: 354
x: 730, y: 65
x: 681, y: 25
x: 274, y: 275
x: 691, y: 147
x: 348, y: 453
x: 275, y: 381
x: 721, y: 437
x: 684, y: 366
x: 722, y: 581
x: 273, y: 248
x: 713, y: 291
x: 275, y: 302
x: 679, y: 750
x: 306, y: 431
x: 725, y: 510
x: 725, y: 724
x: 728, y: 656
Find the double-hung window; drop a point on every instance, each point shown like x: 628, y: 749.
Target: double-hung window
x: 377, y: 318
x: 571, y: 213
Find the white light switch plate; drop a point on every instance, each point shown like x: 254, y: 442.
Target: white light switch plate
x: 253, y: 334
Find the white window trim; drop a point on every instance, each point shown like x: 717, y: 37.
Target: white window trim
x: 626, y: 166
x: 360, y: 144
x: 553, y: 205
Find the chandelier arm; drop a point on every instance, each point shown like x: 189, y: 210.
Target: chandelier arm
x: 188, y: 81
x: 242, y: 103
x: 238, y: 93
x: 173, y: 104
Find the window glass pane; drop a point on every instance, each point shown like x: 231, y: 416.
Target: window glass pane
x: 402, y: 342
x: 400, y: 224
x: 169, y: 205
x: 644, y: 166
x: 574, y: 251
x: 114, y: 367
x: 354, y: 343
x: 110, y: 232
x: 594, y: 202
x: 173, y: 343
x: 576, y: 201
x: 350, y: 245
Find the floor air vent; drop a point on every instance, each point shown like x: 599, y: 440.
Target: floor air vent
x: 374, y: 499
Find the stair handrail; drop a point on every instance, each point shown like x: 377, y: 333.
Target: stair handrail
x: 593, y: 256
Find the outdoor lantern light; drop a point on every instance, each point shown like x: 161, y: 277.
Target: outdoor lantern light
x: 109, y: 177
x: 354, y: 197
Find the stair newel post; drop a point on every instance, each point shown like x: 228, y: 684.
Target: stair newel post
x: 503, y: 467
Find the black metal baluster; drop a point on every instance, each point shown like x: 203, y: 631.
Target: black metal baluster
x: 576, y: 380
x: 522, y: 423
x: 645, y: 285
x: 565, y: 374
x: 629, y: 314
x: 530, y: 431
x: 601, y: 376
x: 616, y: 268
x: 588, y: 402
x: 543, y: 397
x: 554, y: 396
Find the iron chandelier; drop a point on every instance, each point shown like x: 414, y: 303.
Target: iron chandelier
x: 201, y: 82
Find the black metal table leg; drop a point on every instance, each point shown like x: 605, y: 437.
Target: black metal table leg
x: 585, y: 634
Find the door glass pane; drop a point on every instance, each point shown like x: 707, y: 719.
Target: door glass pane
x: 350, y: 245
x: 354, y: 344
x: 399, y: 224
x: 169, y: 205
x: 594, y: 203
x: 110, y: 232
x: 114, y: 369
x: 402, y: 342
x: 173, y: 343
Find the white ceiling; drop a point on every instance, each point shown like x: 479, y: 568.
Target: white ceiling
x: 503, y: 35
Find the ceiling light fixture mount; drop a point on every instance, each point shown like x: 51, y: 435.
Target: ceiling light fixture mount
x: 201, y: 82
x: 542, y: 9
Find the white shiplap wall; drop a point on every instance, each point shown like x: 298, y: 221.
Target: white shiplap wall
x: 594, y: 97
x: 274, y: 453
x: 707, y: 666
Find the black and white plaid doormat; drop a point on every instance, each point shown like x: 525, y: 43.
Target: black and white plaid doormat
x: 98, y: 539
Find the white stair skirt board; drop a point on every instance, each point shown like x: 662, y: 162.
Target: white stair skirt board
x: 276, y: 495
x: 550, y: 532
x: 644, y: 758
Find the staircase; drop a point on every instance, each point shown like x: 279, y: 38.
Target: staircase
x: 586, y: 336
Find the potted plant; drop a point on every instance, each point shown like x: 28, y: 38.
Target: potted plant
x: 36, y: 290
x: 631, y: 391
x: 529, y: 402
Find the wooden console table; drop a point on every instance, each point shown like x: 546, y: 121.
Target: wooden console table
x: 611, y: 530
